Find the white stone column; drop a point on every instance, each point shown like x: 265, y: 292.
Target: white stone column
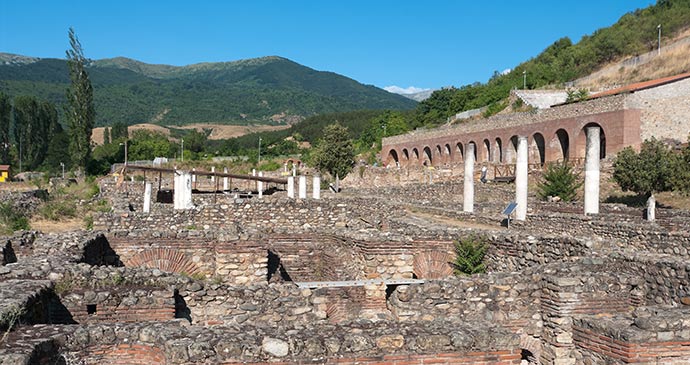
x: 468, y: 186
x: 302, y: 187
x: 317, y: 187
x: 294, y: 170
x: 183, y: 190
x: 261, y: 185
x: 291, y: 187
x: 592, y: 170
x: 521, y: 179
x: 147, y: 197
x: 225, y: 179
x: 213, y: 178
x: 193, y: 176
x: 651, y: 208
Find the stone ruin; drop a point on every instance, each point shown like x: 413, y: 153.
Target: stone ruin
x: 361, y: 277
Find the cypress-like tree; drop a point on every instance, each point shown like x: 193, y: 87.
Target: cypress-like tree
x: 106, y: 135
x: 335, y: 151
x: 80, y: 111
x: 5, y: 117
x: 119, y: 131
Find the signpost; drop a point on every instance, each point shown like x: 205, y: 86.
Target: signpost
x: 509, y: 211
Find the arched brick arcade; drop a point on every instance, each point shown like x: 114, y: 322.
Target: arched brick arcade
x: 550, y: 141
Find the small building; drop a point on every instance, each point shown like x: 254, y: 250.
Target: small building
x: 4, y: 173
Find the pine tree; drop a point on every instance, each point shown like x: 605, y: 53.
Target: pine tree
x: 5, y: 117
x: 80, y: 111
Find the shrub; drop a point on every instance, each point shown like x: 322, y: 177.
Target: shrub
x: 12, y: 219
x: 269, y: 166
x: 647, y: 172
x: 58, y: 209
x: 470, y: 252
x: 559, y: 180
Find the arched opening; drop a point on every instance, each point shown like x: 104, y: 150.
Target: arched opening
x: 433, y: 265
x: 499, y: 151
x: 487, y: 151
x: 439, y: 152
x: 415, y: 154
x: 393, y: 159
x: 428, y: 161
x: 447, y: 150
x: 460, y: 152
x: 538, y: 149
x: 582, y: 140
x: 405, y: 156
x: 563, y: 144
x: 511, y: 152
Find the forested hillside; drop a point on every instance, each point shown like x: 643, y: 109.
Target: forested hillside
x: 267, y: 90
x: 563, y: 61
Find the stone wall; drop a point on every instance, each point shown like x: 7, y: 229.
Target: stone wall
x: 137, y: 304
x: 665, y: 110
x: 499, y: 298
x: 646, y: 336
x: 380, y: 343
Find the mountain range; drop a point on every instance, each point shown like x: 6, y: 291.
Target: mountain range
x: 266, y: 90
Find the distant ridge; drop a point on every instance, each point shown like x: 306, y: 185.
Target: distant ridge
x: 266, y: 90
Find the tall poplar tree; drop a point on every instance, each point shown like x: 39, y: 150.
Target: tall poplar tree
x: 5, y: 112
x: 80, y: 111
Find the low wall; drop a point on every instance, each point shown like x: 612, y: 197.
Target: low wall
x: 648, y: 336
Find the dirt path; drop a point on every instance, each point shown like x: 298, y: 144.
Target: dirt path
x: 446, y: 221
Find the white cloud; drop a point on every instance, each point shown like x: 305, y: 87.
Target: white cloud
x: 399, y: 90
x: 506, y: 71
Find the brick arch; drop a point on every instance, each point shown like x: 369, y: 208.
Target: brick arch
x: 432, y: 265
x: 486, y: 155
x: 405, y: 157
x: 581, y: 141
x: 439, y: 154
x: 164, y: 259
x: 123, y: 354
x: 459, y: 152
x: 537, y: 149
x: 531, y: 344
x: 393, y: 158
x: 448, y: 153
x: 498, y: 151
x: 427, y: 156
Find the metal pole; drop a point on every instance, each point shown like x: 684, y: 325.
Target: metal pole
x: 126, y: 152
x: 63, y: 169
x: 659, y: 49
x: 259, y: 150
x: 182, y: 151
x: 524, y: 80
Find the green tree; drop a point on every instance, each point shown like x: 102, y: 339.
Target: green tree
x: 5, y: 118
x: 32, y: 122
x: 559, y: 180
x: 80, y: 111
x: 147, y: 145
x: 647, y: 172
x: 469, y: 255
x: 119, y: 131
x: 680, y: 180
x: 335, y: 152
x: 106, y: 135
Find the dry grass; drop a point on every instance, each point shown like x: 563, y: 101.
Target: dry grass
x: 674, y: 59
x: 218, y: 131
x: 48, y: 226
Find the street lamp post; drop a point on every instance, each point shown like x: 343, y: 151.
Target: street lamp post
x: 182, y: 150
x: 659, y: 49
x: 63, y: 169
x: 524, y: 80
x: 259, y: 149
x: 125, y: 144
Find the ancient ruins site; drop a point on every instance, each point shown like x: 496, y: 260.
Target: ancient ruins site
x: 209, y: 268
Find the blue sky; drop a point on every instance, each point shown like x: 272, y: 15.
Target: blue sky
x: 423, y: 44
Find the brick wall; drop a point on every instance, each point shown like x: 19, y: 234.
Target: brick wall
x: 123, y: 354
x: 505, y: 357
x: 133, y: 305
